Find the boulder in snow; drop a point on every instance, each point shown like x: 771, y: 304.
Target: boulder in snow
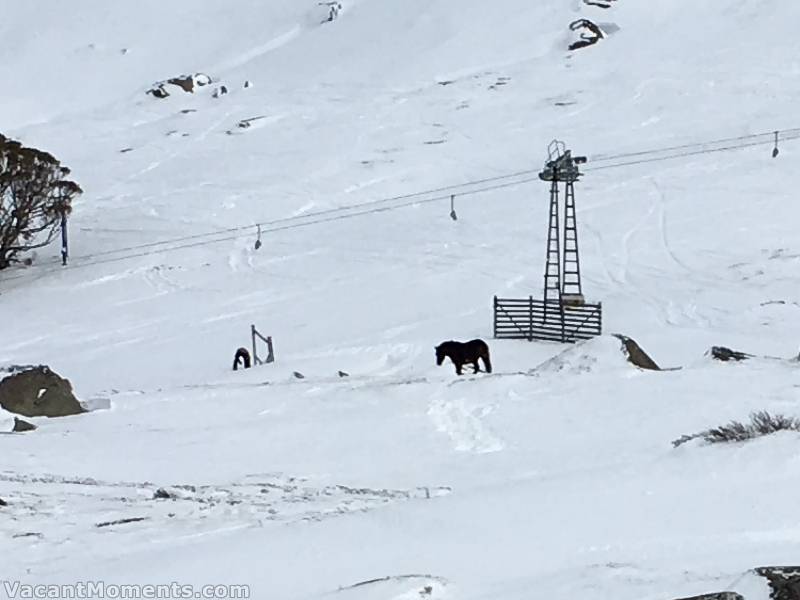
x: 589, y: 32
x: 37, y: 392
x: 21, y: 426
x: 636, y: 356
x: 784, y: 582
x: 188, y: 83
x: 726, y: 354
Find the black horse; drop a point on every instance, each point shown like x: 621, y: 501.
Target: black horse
x: 462, y: 353
x: 242, y: 358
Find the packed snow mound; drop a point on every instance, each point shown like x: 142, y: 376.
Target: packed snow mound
x: 604, y: 353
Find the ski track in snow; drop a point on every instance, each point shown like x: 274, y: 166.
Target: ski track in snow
x: 259, y: 51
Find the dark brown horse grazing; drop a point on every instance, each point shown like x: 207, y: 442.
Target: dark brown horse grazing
x: 462, y: 353
x: 242, y: 358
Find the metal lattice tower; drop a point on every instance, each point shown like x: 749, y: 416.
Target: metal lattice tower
x: 571, y: 290
x: 562, y: 278
x: 552, y: 269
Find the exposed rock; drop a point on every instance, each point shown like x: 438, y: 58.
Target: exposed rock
x: 3, y: 502
x: 158, y: 91
x: 333, y: 10
x: 247, y: 123
x: 38, y: 392
x: 726, y: 354
x: 162, y: 494
x: 784, y: 582
x: 188, y: 83
x: 298, y: 375
x: 344, y: 374
x: 21, y: 426
x: 185, y: 82
x: 121, y: 522
x: 589, y: 33
x: 636, y: 355
x: 717, y: 596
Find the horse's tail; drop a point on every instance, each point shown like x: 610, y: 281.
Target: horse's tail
x: 487, y: 362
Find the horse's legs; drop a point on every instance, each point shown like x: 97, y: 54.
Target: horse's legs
x: 487, y: 363
x: 475, y: 366
x: 458, y: 368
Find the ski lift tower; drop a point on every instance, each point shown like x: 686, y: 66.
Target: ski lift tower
x: 563, y: 315
x: 562, y: 275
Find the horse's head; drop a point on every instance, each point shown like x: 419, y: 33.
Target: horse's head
x: 440, y: 355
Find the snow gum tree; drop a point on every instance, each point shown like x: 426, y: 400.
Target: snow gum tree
x: 34, y: 196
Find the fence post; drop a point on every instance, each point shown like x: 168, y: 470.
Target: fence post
x: 271, y: 355
x: 530, y: 318
x: 256, y: 360
x: 494, y: 317
x: 600, y: 318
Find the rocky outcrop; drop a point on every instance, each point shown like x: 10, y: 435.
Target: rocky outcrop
x: 636, y: 356
x: 38, y: 392
x: 589, y: 33
x: 21, y: 426
x: 726, y: 354
x: 784, y: 582
x: 187, y: 83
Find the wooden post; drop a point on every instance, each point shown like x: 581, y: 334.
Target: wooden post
x: 530, y: 318
x: 494, y: 320
x: 599, y: 318
x: 256, y: 360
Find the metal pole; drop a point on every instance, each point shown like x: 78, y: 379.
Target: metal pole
x: 271, y: 355
x: 256, y: 361
x: 64, y: 240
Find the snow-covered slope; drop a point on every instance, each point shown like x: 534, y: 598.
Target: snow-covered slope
x: 557, y: 481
